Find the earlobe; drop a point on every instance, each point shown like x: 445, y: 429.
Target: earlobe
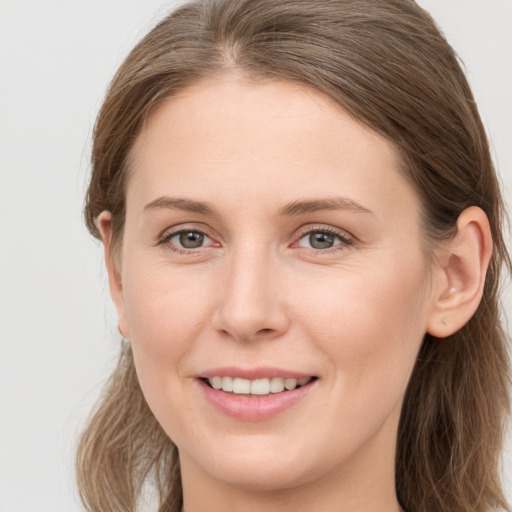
x: 104, y: 223
x: 462, y: 269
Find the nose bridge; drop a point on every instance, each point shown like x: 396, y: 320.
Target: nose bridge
x: 251, y: 301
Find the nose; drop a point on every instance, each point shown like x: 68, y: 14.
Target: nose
x: 252, y: 297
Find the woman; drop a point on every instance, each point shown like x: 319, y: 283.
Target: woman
x: 302, y: 229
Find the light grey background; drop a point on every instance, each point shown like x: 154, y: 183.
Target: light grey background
x: 57, y: 326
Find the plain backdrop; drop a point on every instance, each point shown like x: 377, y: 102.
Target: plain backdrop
x: 57, y: 328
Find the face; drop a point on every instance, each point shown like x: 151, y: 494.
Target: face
x: 271, y: 242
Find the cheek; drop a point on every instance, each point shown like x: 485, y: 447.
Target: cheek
x: 369, y: 324
x: 166, y: 311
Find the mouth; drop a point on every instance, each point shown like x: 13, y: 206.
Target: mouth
x: 256, y: 394
x: 256, y: 387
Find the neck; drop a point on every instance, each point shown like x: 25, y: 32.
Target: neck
x: 294, y: 500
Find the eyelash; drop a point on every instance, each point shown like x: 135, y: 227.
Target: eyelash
x: 166, y: 240
x: 345, y: 241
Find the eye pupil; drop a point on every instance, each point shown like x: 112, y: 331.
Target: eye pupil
x: 319, y: 240
x: 191, y: 239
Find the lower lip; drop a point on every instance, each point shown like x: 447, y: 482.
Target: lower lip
x: 256, y: 408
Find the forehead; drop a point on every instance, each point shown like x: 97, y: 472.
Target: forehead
x: 271, y: 140
x: 256, y: 112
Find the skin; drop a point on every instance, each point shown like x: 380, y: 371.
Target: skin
x: 257, y: 294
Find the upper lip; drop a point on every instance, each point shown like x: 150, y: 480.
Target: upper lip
x: 262, y: 372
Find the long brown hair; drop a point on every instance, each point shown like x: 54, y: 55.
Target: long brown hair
x: 387, y: 64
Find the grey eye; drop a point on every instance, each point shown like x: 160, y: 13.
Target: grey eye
x: 189, y: 239
x: 319, y: 240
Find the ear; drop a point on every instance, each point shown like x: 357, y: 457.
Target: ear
x: 462, y: 268
x: 104, y: 222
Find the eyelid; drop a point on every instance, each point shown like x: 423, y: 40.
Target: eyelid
x: 180, y: 227
x: 170, y: 232
x: 347, y: 239
x: 308, y: 228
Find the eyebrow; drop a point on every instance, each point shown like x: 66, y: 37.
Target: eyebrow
x: 295, y: 208
x: 178, y: 203
x: 314, y: 205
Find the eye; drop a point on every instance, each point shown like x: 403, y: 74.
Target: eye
x: 322, y: 239
x: 187, y: 239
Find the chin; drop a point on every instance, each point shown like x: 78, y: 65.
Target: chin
x: 255, y: 463
x: 268, y: 477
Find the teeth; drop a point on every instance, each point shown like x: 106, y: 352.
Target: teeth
x: 290, y: 384
x: 276, y: 385
x: 258, y: 386
x: 226, y: 384
x: 241, y: 386
x: 216, y: 382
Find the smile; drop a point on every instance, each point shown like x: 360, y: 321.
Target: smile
x: 257, y: 387
x: 255, y: 399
